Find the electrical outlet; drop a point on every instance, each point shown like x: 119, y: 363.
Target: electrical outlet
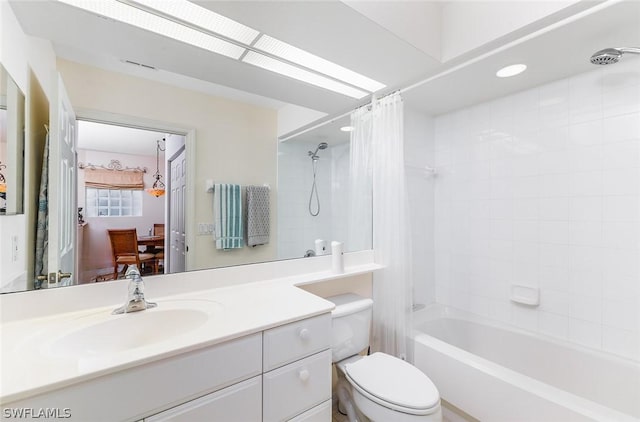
x: 205, y: 229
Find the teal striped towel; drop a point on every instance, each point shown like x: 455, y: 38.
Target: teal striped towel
x: 227, y: 211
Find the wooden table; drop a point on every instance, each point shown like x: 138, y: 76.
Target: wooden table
x: 151, y: 241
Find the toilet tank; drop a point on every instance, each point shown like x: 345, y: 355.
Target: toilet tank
x: 350, y: 325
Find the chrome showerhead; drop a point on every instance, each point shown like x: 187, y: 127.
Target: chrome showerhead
x: 611, y: 55
x: 314, y: 154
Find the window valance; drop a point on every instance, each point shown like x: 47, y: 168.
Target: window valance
x: 113, y: 179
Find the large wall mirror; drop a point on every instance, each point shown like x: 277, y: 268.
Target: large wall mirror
x: 12, y: 103
x: 139, y: 148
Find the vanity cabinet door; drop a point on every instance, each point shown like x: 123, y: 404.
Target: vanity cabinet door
x: 240, y: 402
x: 297, y: 387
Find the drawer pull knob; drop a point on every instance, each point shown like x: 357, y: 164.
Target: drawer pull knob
x: 303, y: 375
x: 304, y: 334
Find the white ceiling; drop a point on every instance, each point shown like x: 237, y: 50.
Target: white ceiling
x: 329, y: 29
x: 356, y: 35
x: 126, y: 140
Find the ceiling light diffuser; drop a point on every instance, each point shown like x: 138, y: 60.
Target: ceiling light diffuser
x: 300, y: 74
x: 347, y: 128
x: 204, y: 18
x: 512, y: 70
x: 134, y: 16
x: 310, y: 61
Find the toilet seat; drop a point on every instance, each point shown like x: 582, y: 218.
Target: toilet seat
x: 394, y: 384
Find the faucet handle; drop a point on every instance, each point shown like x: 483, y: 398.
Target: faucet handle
x: 132, y: 272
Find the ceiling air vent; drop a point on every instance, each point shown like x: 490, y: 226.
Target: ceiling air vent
x: 145, y: 66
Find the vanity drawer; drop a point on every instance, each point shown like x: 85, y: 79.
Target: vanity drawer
x: 320, y: 413
x: 241, y: 402
x: 292, y: 389
x: 296, y: 340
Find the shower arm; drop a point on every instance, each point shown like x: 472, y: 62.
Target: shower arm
x: 633, y: 50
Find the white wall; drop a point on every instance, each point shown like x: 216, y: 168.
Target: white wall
x: 235, y: 143
x: 13, y: 273
x: 470, y: 24
x: 418, y: 151
x: 542, y: 188
x: 30, y: 62
x: 292, y: 117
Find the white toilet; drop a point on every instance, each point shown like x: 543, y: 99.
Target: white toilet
x: 381, y: 387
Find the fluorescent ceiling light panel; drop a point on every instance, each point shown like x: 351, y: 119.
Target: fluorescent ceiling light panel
x: 133, y: 16
x: 318, y: 64
x: 203, y: 18
x: 300, y: 74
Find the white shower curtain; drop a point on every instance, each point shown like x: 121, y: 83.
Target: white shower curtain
x: 360, y: 182
x: 378, y: 148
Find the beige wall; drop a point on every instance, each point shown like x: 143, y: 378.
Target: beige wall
x: 235, y: 142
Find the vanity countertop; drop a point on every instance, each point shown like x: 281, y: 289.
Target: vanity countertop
x: 29, y: 367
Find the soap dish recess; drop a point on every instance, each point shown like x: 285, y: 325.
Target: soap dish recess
x: 525, y: 295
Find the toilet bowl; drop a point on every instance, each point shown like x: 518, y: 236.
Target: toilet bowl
x: 381, y: 387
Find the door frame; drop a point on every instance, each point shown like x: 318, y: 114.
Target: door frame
x: 99, y: 116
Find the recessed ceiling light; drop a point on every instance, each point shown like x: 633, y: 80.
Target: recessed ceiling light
x: 300, y: 74
x: 204, y: 18
x: 511, y: 70
x: 347, y: 128
x: 148, y: 21
x: 311, y: 61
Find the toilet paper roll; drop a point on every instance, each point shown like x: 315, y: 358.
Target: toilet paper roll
x: 337, y: 257
x: 321, y: 247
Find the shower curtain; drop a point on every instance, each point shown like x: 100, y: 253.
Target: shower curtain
x: 42, y: 225
x: 377, y: 156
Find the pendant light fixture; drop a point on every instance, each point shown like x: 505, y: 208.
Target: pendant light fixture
x: 158, y: 188
x: 3, y: 182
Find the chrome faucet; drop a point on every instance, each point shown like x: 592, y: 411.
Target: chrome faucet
x: 135, y: 297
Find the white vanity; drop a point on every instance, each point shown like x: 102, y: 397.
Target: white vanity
x: 248, y: 353
x: 256, y: 351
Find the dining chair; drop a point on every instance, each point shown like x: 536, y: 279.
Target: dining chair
x: 124, y: 250
x: 158, y: 250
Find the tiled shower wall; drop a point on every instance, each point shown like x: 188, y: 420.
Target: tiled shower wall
x: 297, y: 228
x: 542, y: 188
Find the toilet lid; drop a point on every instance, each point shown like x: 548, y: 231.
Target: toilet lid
x: 394, y: 381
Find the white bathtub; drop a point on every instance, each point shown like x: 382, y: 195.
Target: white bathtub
x: 496, y: 373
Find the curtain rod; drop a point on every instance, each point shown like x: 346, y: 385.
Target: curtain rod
x: 114, y: 165
x: 603, y: 5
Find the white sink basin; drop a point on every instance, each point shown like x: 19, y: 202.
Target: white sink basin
x: 108, y: 334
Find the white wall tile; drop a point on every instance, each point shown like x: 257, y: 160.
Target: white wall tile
x: 585, y: 208
x: 586, y: 308
x: 554, y: 301
x: 621, y: 342
x: 554, y: 325
x: 623, y: 315
x: 585, y: 333
x: 586, y: 134
x: 546, y: 192
x: 621, y: 128
x: 586, y: 233
x: 621, y: 208
x: 621, y: 155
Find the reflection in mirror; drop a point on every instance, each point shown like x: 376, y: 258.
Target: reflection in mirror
x: 12, y: 103
x: 229, y: 137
